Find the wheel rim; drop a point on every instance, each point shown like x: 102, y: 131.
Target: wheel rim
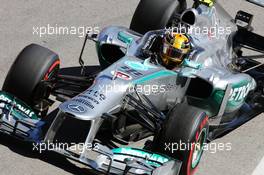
x: 53, y: 68
x: 198, y: 148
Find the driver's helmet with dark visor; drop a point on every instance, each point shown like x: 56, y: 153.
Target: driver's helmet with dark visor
x: 175, y: 48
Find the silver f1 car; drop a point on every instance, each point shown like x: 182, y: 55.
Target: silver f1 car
x: 132, y: 97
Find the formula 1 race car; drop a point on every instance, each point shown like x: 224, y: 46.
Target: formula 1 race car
x: 133, y: 97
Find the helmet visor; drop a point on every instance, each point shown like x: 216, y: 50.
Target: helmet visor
x: 173, y: 53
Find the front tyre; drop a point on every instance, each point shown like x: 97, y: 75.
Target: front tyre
x: 183, y: 136
x: 33, y: 65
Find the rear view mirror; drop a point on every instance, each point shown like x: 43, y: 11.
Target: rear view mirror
x: 257, y: 2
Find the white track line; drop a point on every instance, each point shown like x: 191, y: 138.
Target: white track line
x: 260, y: 168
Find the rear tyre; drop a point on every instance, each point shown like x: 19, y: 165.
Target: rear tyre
x: 183, y: 136
x: 155, y: 14
x: 33, y: 65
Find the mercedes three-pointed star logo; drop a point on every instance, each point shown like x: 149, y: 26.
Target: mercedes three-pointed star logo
x: 76, y: 108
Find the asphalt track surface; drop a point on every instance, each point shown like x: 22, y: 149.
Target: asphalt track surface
x: 17, y: 19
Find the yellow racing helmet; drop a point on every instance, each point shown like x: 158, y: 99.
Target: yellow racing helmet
x: 175, y: 48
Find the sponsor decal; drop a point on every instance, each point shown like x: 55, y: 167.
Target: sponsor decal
x: 96, y: 94
x: 121, y: 75
x: 21, y: 107
x: 132, y: 71
x: 76, y: 108
x: 148, y: 42
x: 90, y: 98
x: 84, y: 102
x: 240, y: 93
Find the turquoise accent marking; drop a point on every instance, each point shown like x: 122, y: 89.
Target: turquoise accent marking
x: 139, y: 66
x: 162, y: 73
x: 191, y: 64
x: 152, y: 158
x: 124, y: 38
